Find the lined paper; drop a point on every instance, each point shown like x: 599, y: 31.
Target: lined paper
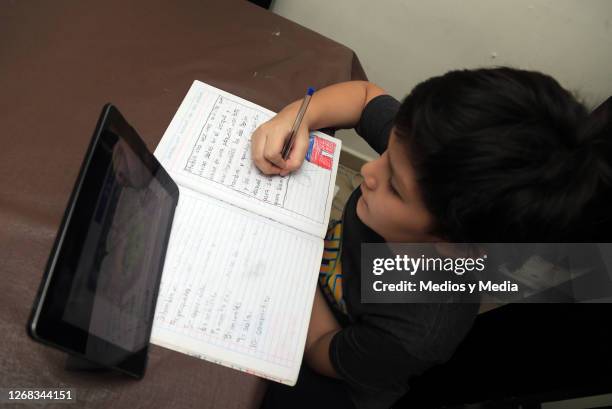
x: 233, y: 291
x: 245, y: 250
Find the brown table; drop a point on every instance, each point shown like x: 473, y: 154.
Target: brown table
x: 60, y: 61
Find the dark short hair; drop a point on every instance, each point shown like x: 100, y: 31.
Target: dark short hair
x: 508, y: 155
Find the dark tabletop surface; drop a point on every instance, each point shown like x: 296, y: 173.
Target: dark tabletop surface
x: 60, y: 61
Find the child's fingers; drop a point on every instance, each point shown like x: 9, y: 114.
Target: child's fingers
x: 258, y: 144
x: 297, y: 154
x: 273, y: 148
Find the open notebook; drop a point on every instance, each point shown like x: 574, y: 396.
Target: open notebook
x: 245, y: 249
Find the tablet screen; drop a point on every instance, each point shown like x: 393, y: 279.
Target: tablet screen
x: 103, y: 283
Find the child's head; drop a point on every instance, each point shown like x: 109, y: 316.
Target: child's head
x: 491, y: 155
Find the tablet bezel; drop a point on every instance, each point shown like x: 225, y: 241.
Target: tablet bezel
x: 58, y: 333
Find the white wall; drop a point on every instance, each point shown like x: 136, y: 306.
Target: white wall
x: 401, y: 43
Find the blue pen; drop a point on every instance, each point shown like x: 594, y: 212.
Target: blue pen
x: 296, y: 125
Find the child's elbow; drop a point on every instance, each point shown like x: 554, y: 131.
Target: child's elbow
x: 372, y: 91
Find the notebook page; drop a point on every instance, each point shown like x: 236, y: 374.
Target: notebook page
x: 232, y: 291
x: 207, y: 147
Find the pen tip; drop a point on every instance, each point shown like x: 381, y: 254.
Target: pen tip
x: 310, y: 91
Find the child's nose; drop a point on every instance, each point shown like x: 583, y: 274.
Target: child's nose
x: 370, y: 182
x: 368, y: 178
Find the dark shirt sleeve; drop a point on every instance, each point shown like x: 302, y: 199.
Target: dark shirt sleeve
x: 377, y: 120
x: 374, y: 380
x: 379, y: 355
x: 370, y: 358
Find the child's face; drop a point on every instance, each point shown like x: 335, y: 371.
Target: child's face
x: 390, y: 203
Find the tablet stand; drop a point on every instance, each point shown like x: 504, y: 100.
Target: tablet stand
x: 75, y: 363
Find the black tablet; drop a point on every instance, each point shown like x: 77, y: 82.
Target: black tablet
x: 98, y: 294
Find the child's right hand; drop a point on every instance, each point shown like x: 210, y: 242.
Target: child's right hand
x: 267, y: 143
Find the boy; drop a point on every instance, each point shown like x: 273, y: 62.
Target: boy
x: 489, y: 155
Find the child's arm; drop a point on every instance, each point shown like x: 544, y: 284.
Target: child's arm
x: 323, y: 326
x: 339, y: 105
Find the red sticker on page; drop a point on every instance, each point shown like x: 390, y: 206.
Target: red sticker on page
x: 320, y: 152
